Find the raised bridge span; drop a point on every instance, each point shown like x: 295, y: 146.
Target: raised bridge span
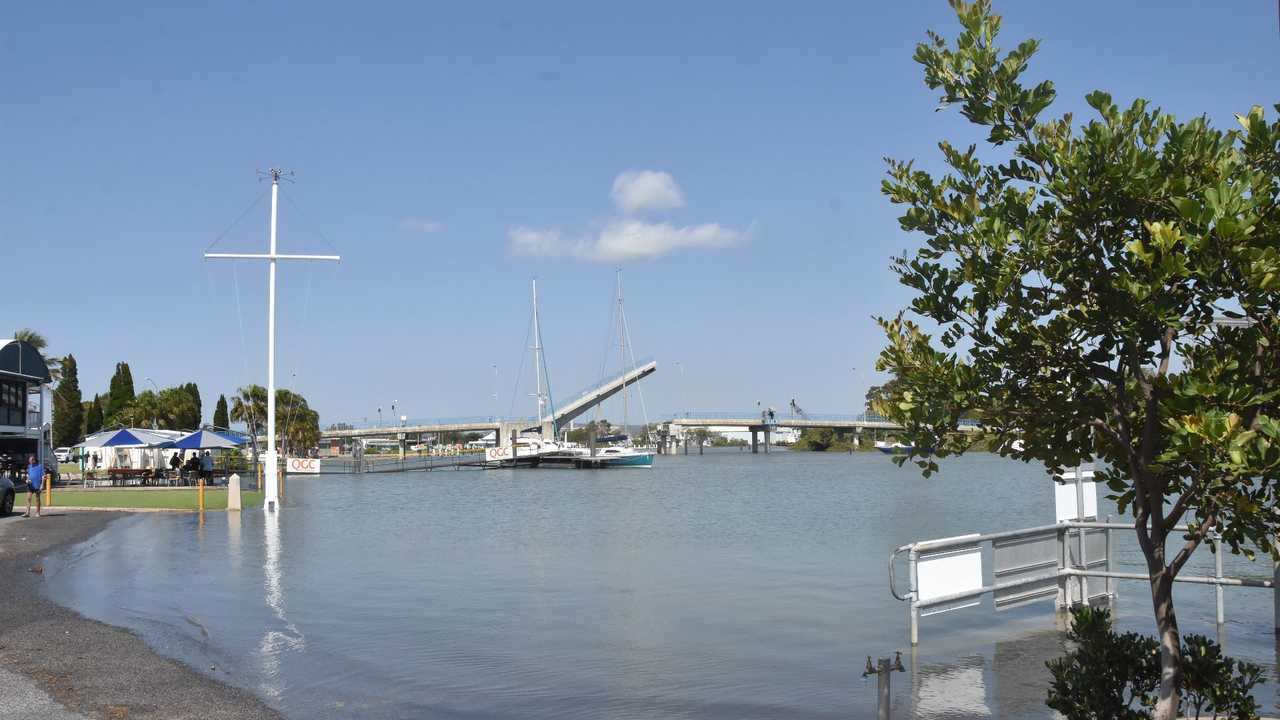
x: 581, y: 403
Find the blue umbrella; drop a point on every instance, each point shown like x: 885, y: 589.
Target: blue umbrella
x: 204, y: 439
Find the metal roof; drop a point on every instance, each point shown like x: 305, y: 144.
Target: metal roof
x: 22, y: 359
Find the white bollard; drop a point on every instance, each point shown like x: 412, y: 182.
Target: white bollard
x: 233, y: 492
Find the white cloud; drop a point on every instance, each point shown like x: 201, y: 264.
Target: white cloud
x: 635, y: 240
x: 422, y: 225
x: 639, y: 190
x: 528, y: 241
x: 623, y: 240
x: 628, y: 237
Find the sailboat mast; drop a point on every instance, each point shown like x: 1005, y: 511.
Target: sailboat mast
x: 622, y: 352
x: 537, y: 351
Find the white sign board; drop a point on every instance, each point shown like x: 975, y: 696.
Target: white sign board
x: 1064, y: 496
x: 940, y: 573
x: 302, y: 466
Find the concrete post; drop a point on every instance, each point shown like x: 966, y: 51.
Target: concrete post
x: 233, y: 492
x: 766, y: 441
x: 755, y: 442
x: 882, y: 689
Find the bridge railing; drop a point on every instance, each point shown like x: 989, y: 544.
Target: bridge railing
x: 608, y: 379
x: 782, y: 418
x: 458, y: 420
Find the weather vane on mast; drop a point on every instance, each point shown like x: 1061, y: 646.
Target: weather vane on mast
x: 271, y: 470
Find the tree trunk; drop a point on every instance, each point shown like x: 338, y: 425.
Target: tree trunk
x: 1170, y: 691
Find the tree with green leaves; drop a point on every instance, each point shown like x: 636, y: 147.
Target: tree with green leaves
x: 1099, y: 291
x: 93, y: 419
x: 192, y: 421
x: 38, y: 341
x: 249, y: 406
x: 68, y: 415
x: 143, y: 411
x: 177, y: 410
x: 120, y: 393
x: 220, y: 413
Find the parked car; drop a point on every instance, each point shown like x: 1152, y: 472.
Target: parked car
x: 63, y: 454
x: 6, y: 495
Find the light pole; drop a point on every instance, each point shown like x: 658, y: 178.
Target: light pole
x: 495, y: 389
x: 680, y: 366
x: 379, y: 416
x: 154, y: 420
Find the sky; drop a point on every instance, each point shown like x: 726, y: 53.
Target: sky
x: 726, y: 155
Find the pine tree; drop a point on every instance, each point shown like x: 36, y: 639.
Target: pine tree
x: 121, y: 392
x: 220, y: 417
x: 193, y: 422
x: 68, y: 416
x: 93, y: 420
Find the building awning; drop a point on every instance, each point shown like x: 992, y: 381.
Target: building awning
x: 22, y: 359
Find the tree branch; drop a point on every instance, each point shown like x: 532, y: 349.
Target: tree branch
x: 1194, y: 542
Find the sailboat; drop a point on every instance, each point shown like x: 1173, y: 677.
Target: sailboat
x: 618, y: 450
x: 530, y: 448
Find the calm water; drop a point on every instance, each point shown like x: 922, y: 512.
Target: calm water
x: 721, y: 586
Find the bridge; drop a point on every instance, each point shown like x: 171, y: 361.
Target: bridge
x: 583, y: 401
x: 760, y: 422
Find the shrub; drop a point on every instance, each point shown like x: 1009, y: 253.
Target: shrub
x: 1112, y: 675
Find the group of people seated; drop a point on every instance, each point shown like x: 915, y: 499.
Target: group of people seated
x: 193, y: 466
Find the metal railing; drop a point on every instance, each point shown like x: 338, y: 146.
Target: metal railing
x: 782, y: 419
x: 1066, y: 569
x: 607, y: 380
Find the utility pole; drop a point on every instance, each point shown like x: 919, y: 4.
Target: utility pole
x: 271, y: 501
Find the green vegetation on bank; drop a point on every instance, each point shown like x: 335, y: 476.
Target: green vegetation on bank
x: 152, y: 498
x: 1105, y: 290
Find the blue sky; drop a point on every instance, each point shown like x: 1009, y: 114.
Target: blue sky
x: 427, y: 137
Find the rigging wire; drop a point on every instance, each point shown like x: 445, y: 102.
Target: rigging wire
x: 235, y: 222
x: 626, y: 329
x: 547, y: 377
x: 511, y: 411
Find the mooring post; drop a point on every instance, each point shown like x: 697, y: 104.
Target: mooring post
x: 882, y: 669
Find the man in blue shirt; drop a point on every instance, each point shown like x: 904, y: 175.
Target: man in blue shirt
x: 35, y: 481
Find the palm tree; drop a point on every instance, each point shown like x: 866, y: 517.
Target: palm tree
x: 249, y: 406
x: 37, y: 341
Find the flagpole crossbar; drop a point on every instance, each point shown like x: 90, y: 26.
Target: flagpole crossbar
x: 268, y: 256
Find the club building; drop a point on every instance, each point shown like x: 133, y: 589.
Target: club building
x: 24, y: 382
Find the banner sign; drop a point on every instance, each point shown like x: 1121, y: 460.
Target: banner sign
x: 305, y: 466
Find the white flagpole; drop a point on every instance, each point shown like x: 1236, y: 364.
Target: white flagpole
x: 271, y: 498
x: 271, y: 489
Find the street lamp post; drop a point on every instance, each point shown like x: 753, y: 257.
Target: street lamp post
x: 155, y: 422
x: 379, y: 416
x: 680, y: 366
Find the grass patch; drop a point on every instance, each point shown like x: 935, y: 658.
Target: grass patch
x: 159, y: 498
